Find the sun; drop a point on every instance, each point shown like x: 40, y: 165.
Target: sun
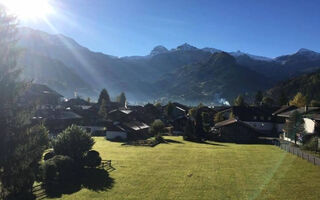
x: 28, y: 9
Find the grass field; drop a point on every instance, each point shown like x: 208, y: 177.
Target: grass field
x: 185, y: 170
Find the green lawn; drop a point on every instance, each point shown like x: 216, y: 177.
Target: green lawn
x: 185, y: 170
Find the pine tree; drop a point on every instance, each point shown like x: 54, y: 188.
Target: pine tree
x: 103, y: 109
x: 283, y: 99
x: 122, y: 99
x: 21, y: 146
x: 294, y: 126
x: 199, y: 127
x: 104, y: 95
x: 258, y: 98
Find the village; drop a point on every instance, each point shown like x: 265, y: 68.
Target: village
x: 118, y: 121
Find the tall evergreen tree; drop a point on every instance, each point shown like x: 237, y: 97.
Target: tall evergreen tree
x: 21, y: 146
x: 258, y: 98
x: 104, y: 95
x: 283, y: 99
x: 122, y: 99
x: 294, y: 126
x: 199, y: 126
x: 103, y: 109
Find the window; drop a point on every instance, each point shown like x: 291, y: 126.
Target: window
x: 255, y: 117
x: 269, y: 118
x: 262, y: 117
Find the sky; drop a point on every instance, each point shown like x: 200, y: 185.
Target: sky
x: 133, y: 27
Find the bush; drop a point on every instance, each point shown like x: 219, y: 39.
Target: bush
x: 49, y: 155
x: 92, y: 159
x: 311, y: 144
x: 157, y: 127
x: 58, y: 168
x: 73, y: 142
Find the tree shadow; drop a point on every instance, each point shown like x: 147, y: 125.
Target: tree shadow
x: 90, y: 178
x: 97, y: 179
x: 173, y: 141
x: 211, y: 143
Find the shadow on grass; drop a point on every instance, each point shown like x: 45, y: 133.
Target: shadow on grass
x: 90, y: 178
x: 211, y: 143
x: 172, y: 141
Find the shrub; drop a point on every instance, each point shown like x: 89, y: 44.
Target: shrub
x: 157, y: 127
x: 73, y: 142
x: 311, y: 144
x: 58, y: 168
x: 92, y: 159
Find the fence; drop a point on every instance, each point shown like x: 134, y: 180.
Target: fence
x: 106, y: 164
x: 297, y: 151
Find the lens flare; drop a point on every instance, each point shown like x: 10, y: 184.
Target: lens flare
x: 28, y: 9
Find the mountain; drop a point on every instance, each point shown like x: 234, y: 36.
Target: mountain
x: 158, y: 50
x: 307, y: 84
x: 65, y: 65
x: 219, y: 77
x: 44, y: 70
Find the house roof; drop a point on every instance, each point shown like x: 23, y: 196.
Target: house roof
x: 284, y: 109
x: 124, y: 111
x: 135, y: 125
x: 314, y: 116
x: 40, y: 89
x: 225, y: 123
x: 251, y: 113
x: 116, y: 128
x: 301, y: 110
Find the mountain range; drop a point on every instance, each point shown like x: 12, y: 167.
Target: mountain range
x: 185, y: 73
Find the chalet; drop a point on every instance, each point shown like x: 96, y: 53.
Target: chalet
x: 116, y: 132
x: 40, y: 95
x: 234, y: 130
x: 311, y: 117
x: 56, y: 120
x: 259, y: 119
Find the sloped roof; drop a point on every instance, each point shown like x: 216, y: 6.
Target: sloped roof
x: 135, y: 125
x: 284, y: 109
x: 301, y: 110
x: 39, y: 89
x: 225, y: 123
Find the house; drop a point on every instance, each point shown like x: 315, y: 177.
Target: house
x: 234, y: 130
x: 116, y: 132
x: 56, y: 120
x: 258, y: 118
x: 311, y: 117
x: 40, y: 95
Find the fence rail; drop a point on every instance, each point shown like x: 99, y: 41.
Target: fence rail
x: 297, y: 151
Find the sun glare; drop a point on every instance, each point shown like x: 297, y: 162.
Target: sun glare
x: 28, y: 9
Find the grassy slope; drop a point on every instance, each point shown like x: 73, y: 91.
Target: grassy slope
x: 203, y: 171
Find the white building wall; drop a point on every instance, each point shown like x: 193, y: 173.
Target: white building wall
x: 114, y: 134
x: 309, y: 125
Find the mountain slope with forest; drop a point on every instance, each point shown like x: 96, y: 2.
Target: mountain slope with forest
x: 221, y: 77
x: 63, y: 64
x: 308, y: 85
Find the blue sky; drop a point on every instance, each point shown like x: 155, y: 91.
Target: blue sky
x: 133, y: 27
